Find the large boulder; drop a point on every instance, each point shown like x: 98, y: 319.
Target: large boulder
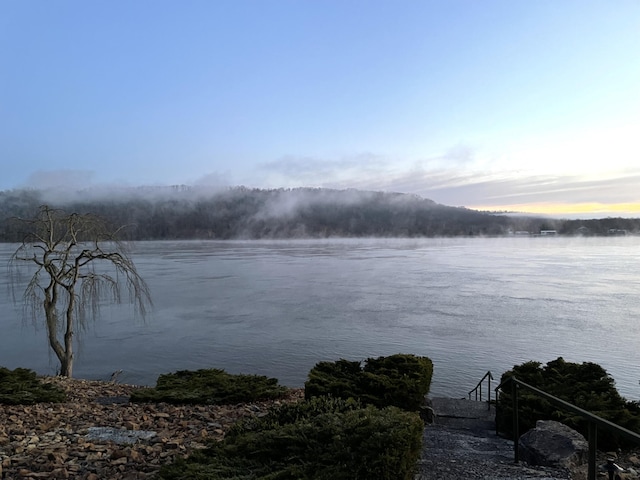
x: 553, y: 444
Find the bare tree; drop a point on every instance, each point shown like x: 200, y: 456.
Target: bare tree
x: 79, y: 264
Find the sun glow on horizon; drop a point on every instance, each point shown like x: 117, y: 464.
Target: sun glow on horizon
x: 568, y: 210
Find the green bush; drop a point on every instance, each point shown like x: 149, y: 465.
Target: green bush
x: 398, y: 380
x: 321, y: 439
x: 209, y: 387
x: 339, y: 379
x: 23, y: 387
x: 585, y: 385
x: 293, y: 412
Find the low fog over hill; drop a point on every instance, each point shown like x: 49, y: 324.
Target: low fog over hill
x: 182, y: 212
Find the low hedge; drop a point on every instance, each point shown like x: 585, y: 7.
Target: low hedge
x: 400, y: 380
x: 209, y: 387
x: 321, y: 439
x: 23, y: 387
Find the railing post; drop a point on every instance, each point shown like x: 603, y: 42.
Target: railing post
x: 497, y: 416
x: 516, y: 428
x: 478, y: 389
x: 593, y: 446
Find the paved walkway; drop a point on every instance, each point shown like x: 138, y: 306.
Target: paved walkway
x: 462, y: 444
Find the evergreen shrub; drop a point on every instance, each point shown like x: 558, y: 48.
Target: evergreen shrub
x: 400, y: 380
x: 23, y: 387
x: 586, y: 385
x: 321, y: 439
x: 209, y: 387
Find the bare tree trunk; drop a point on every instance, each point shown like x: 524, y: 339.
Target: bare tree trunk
x: 50, y: 300
x: 66, y: 366
x: 64, y: 353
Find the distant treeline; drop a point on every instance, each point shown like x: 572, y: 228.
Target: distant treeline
x: 243, y: 213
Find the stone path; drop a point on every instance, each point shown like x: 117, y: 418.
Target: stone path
x: 462, y: 444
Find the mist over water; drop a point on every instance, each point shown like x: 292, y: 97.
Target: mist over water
x: 276, y: 308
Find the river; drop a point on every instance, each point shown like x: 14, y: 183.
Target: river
x: 276, y: 308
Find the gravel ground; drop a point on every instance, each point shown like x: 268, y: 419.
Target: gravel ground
x: 57, y: 441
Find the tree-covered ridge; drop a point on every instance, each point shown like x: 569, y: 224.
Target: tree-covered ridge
x: 239, y: 212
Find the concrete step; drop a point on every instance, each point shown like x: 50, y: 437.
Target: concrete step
x: 464, y: 414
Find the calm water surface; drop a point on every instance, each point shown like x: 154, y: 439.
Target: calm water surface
x: 278, y: 307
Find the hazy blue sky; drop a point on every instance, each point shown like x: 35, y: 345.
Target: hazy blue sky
x: 528, y: 105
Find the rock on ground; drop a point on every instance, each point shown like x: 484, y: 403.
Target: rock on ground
x: 553, y: 444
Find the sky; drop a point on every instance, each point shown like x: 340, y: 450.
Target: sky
x: 492, y: 105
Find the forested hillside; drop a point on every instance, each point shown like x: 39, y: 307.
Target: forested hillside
x: 188, y: 213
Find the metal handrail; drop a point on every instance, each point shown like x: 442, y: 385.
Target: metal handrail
x: 594, y: 420
x: 478, y: 389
